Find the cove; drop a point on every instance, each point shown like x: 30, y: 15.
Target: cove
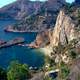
x: 32, y: 57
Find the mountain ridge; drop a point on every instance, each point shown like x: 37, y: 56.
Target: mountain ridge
x: 40, y: 14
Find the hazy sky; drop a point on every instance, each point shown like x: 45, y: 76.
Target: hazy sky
x: 5, y: 2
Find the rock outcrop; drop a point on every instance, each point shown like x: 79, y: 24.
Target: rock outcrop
x: 42, y: 39
x: 63, y: 32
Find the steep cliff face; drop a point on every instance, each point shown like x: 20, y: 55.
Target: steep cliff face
x: 42, y: 39
x: 64, y: 30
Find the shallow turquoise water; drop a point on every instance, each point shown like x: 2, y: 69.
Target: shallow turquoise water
x: 22, y: 54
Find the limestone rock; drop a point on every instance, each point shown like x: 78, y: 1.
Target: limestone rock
x: 42, y: 39
x: 64, y: 30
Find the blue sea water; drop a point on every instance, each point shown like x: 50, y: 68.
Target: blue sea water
x: 22, y: 54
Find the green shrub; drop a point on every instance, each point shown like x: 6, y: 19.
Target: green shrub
x: 64, y: 70
x: 48, y: 78
x: 17, y: 71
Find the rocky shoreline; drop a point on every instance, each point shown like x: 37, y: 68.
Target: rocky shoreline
x: 10, y: 29
x: 4, y: 44
x: 42, y: 39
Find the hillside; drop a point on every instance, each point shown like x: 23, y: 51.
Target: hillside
x: 34, y: 16
x: 62, y: 43
x: 19, y: 9
x: 22, y: 8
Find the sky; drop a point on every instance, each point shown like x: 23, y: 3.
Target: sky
x: 5, y: 2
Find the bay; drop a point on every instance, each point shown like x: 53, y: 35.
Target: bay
x: 32, y: 57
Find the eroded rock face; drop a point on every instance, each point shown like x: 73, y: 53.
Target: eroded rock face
x: 64, y: 30
x: 42, y: 39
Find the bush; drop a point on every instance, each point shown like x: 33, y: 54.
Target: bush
x: 48, y: 78
x: 65, y: 70
x: 17, y: 71
x: 73, y: 54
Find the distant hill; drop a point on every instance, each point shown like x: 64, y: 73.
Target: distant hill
x: 19, y: 9
x: 22, y: 8
x: 33, y: 16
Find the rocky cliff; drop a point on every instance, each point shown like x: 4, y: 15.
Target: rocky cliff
x: 66, y: 30
x: 63, y: 32
x: 42, y: 39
